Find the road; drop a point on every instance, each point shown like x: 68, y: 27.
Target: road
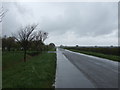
x: 102, y: 73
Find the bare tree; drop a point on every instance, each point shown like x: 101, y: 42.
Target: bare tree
x: 40, y: 37
x: 2, y: 13
x: 24, y: 36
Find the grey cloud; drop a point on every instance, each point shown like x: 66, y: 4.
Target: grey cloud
x: 21, y: 8
x: 83, y: 19
x: 92, y: 19
x: 16, y: 17
x: 10, y: 22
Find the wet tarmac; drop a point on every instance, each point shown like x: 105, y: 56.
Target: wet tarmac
x: 68, y: 76
x: 76, y: 70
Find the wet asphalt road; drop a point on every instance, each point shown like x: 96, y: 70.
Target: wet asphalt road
x: 102, y: 73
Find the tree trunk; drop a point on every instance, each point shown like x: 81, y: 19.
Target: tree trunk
x: 24, y: 55
x: 9, y: 48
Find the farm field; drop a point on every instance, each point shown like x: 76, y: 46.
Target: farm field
x: 37, y: 72
x: 104, y: 52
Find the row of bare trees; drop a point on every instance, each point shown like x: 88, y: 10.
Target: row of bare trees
x: 26, y: 38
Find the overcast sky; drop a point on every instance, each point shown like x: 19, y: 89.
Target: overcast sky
x: 68, y: 23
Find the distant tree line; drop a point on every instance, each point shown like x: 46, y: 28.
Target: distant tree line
x: 105, y: 50
x: 27, y: 39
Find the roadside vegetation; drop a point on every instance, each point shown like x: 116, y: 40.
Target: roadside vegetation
x: 37, y: 72
x: 111, y: 53
x: 26, y: 62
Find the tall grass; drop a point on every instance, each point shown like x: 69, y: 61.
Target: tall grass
x: 37, y: 72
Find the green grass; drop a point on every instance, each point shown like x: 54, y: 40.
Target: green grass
x: 37, y: 72
x: 10, y: 59
x: 110, y: 57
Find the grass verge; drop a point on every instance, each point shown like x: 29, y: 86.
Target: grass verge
x: 37, y: 72
x: 110, y: 57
